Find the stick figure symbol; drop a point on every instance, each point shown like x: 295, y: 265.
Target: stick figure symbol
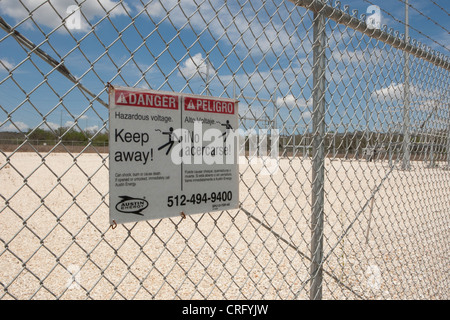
x: 228, y: 127
x: 171, y: 140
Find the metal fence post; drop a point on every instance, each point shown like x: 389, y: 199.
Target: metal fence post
x: 318, y: 165
x: 406, y: 138
x: 448, y: 135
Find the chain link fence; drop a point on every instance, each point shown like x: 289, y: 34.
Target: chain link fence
x: 357, y: 208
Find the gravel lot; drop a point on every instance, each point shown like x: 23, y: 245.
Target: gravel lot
x: 56, y: 242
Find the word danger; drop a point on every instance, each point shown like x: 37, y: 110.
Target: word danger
x: 146, y: 100
x: 138, y: 138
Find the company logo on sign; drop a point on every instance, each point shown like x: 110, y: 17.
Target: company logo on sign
x: 208, y: 105
x: 144, y: 99
x: 131, y: 205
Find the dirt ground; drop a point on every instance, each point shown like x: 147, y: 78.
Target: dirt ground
x: 386, y: 234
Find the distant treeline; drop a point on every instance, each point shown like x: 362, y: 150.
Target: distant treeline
x: 64, y: 134
x: 349, y: 141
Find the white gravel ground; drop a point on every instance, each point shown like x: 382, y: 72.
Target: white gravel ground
x: 54, y: 222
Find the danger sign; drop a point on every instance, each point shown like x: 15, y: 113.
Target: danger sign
x: 171, y: 154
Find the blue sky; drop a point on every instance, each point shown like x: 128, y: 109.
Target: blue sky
x: 261, y: 51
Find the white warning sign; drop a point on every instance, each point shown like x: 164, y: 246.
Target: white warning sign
x: 171, y: 154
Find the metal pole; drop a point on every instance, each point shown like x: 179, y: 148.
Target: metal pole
x: 448, y: 133
x: 432, y: 142
x: 432, y: 139
x: 294, y: 146
x: 406, y: 138
x: 274, y: 120
x: 318, y: 173
x: 367, y: 117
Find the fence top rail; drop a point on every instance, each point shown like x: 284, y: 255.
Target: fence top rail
x: 336, y: 14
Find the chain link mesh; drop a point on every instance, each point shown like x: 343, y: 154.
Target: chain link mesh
x: 385, y: 212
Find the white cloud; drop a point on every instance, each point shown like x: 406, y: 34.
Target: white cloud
x: 262, y: 83
x: 5, y: 65
x: 92, y: 128
x: 287, y: 101
x: 197, y: 66
x: 180, y: 10
x: 79, y: 125
x: 390, y: 93
x: 347, y: 57
x: 395, y: 92
x: 18, y: 125
x: 51, y: 15
x: 291, y: 102
x: 51, y: 125
x: 70, y: 123
x: 293, y: 109
x: 237, y: 25
x: 250, y: 112
x: 306, y: 115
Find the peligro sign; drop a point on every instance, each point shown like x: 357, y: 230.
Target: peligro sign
x: 209, y: 105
